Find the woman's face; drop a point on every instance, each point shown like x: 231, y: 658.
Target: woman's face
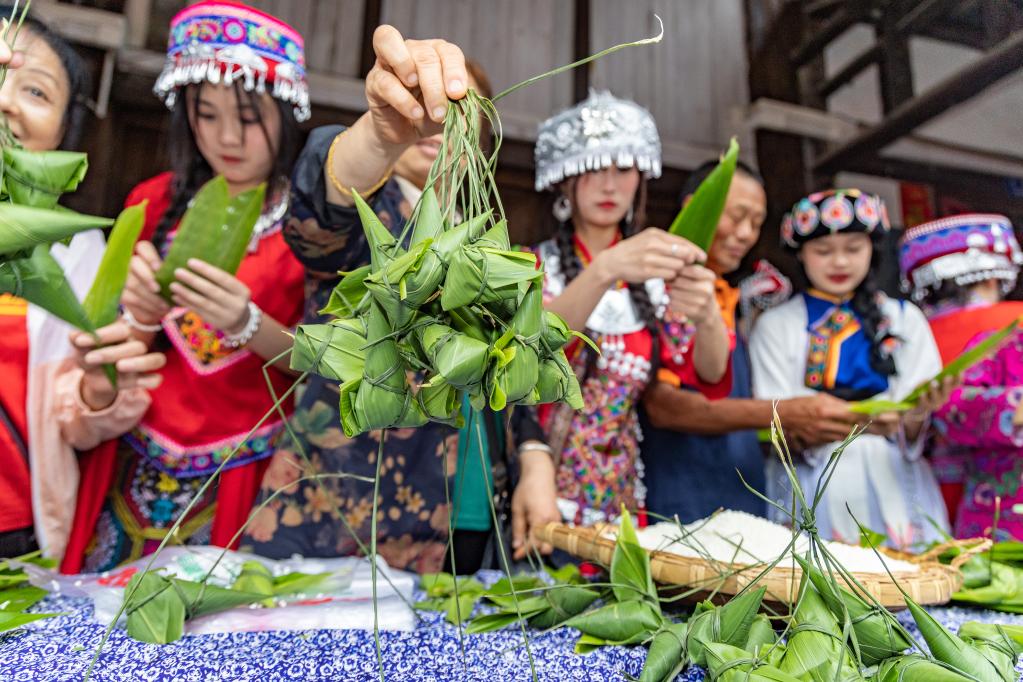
x: 602, y: 198
x: 739, y: 226
x: 229, y: 135
x: 35, y: 97
x: 838, y: 263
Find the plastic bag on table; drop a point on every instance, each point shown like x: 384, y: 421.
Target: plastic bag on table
x: 343, y: 601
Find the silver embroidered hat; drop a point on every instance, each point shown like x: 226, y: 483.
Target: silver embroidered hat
x: 599, y: 131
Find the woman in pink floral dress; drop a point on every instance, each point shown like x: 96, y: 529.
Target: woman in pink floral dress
x: 959, y: 269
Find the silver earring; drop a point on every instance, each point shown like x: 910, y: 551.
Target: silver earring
x: 629, y: 216
x: 562, y: 208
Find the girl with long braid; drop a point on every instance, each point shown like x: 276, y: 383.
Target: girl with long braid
x: 234, y: 82
x: 641, y: 295
x: 844, y: 337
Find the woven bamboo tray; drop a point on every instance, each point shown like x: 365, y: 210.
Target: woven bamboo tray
x: 933, y: 584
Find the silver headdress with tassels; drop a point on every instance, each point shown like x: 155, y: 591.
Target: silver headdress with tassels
x: 599, y: 131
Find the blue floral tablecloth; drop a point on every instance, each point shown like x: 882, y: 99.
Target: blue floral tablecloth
x: 61, y: 649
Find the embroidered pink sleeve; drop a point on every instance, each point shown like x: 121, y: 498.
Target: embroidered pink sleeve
x: 84, y: 428
x: 980, y: 412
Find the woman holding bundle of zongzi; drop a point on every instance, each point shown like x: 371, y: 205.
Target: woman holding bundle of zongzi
x: 642, y: 294
x: 959, y: 269
x: 408, y: 93
x: 235, y: 83
x: 844, y: 337
x: 43, y: 103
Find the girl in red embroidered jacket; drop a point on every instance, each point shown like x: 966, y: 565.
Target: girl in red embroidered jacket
x: 233, y: 119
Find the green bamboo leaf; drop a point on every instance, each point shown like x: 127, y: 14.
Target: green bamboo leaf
x: 24, y: 227
x: 460, y: 609
x: 1012, y: 635
x: 628, y: 622
x: 568, y: 574
x: 429, y: 221
x: 381, y: 241
x: 491, y: 622
x: 255, y: 578
x: 726, y: 624
x: 20, y: 598
x: 216, y: 228
x: 333, y: 351
x: 460, y: 359
x: 40, y: 280
x: 587, y: 643
x: 816, y: 647
x: 631, y: 578
x: 761, y: 634
x: 437, y: 584
x: 732, y: 664
x: 563, y: 603
x: 11, y: 620
x: 665, y: 660
x: 950, y: 649
x: 156, y: 614
x: 104, y: 297
x: 877, y: 636
x: 38, y: 179
x: 347, y: 297
x: 698, y: 219
x: 916, y: 668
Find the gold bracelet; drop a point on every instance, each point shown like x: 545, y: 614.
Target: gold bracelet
x: 337, y: 183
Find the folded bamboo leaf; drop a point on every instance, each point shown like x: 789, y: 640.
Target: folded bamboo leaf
x: 298, y: 583
x: 156, y: 614
x: 422, y: 284
x: 1000, y: 590
x: 256, y: 579
x: 388, y: 285
x: 631, y: 578
x: 732, y: 664
x: 514, y: 376
x: 528, y: 320
x: 916, y: 668
x: 480, y: 274
x: 761, y: 634
x: 950, y: 649
x: 342, y: 359
x: 629, y: 622
x: 441, y: 402
x: 429, y: 222
x: 568, y: 574
x: 216, y: 228
x: 587, y: 643
x: 496, y: 237
x: 11, y: 620
x: 20, y: 598
x: 556, y: 333
x: 460, y: 359
x: 726, y: 624
x: 384, y: 398
x: 563, y: 602
x: 528, y: 604
x: 519, y: 583
x: 24, y: 227
x: 348, y: 296
x: 40, y: 280
x: 1001, y: 655
x: 381, y: 241
x: 1011, y: 635
x: 816, y: 648
x: 103, y: 300
x: 665, y: 660
x: 491, y: 622
x: 877, y: 636
x: 39, y: 178
x: 698, y: 219
x: 459, y: 609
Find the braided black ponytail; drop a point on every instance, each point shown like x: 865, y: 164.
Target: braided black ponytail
x: 866, y: 303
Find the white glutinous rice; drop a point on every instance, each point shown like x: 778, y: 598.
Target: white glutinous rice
x: 741, y: 538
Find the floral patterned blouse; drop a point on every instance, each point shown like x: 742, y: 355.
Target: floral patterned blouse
x: 317, y: 518
x: 977, y: 422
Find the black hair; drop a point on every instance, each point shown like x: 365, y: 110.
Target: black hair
x: 191, y: 171
x: 78, y: 78
x: 700, y: 173
x: 866, y: 304
x: 697, y: 176
x: 946, y: 292
x: 571, y: 267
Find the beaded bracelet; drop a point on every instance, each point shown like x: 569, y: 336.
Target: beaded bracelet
x: 251, y: 327
x: 337, y: 183
x: 130, y: 320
